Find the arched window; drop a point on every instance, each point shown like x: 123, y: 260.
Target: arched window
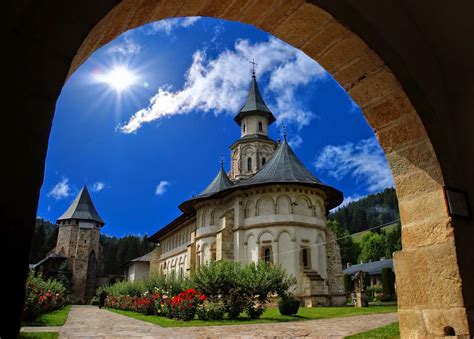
x: 249, y: 164
x: 243, y: 127
x: 267, y: 256
x: 305, y: 257
x: 260, y: 127
x: 264, y: 161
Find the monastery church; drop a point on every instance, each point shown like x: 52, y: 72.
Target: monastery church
x: 269, y: 207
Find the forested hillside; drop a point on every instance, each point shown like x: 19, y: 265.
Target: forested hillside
x: 116, y: 251
x: 373, y: 210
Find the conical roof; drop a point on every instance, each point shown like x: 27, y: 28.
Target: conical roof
x: 284, y: 167
x: 219, y: 183
x: 254, y: 104
x: 82, y: 208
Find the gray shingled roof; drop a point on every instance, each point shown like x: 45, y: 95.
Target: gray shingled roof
x: 284, y: 167
x: 220, y: 183
x: 143, y: 258
x: 82, y: 208
x: 374, y: 267
x: 254, y: 104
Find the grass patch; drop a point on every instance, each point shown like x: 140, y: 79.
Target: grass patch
x: 39, y: 335
x: 389, y: 331
x: 54, y: 318
x: 271, y: 315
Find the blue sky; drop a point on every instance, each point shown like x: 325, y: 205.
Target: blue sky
x: 144, y: 121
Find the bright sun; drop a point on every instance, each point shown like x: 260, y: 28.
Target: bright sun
x: 118, y: 78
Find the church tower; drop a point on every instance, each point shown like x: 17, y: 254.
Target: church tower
x: 78, y: 240
x: 254, y: 148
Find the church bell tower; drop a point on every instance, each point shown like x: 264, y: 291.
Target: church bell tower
x: 254, y: 148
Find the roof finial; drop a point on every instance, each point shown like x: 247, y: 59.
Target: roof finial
x: 222, y: 161
x: 253, y: 67
x: 284, y: 132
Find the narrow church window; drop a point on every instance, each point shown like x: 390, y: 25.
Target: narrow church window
x: 264, y: 161
x: 267, y: 256
x: 305, y: 257
x: 243, y: 127
x: 260, y: 127
x: 249, y: 164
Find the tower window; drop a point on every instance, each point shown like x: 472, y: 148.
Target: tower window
x: 249, y: 164
x: 260, y: 127
x: 243, y: 127
x: 267, y: 255
x: 305, y: 257
x: 264, y: 161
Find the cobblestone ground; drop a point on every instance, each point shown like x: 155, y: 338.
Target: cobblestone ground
x: 91, y: 322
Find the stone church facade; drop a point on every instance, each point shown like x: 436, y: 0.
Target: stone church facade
x: 269, y: 207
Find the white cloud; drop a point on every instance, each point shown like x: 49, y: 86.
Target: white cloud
x: 126, y: 46
x: 98, y: 186
x: 220, y: 85
x: 168, y: 25
x: 295, y: 141
x: 61, y: 190
x: 161, y: 187
x: 364, y: 161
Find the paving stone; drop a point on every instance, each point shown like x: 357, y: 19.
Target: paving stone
x: 91, y: 322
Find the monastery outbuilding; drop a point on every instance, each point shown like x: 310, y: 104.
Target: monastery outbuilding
x: 269, y: 207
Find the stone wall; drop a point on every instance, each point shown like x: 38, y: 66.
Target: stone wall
x: 335, y: 275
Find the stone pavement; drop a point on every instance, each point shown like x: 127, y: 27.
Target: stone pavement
x: 91, y: 322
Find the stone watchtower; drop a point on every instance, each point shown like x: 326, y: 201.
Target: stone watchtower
x: 78, y: 240
x: 254, y: 148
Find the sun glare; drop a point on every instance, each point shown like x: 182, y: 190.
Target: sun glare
x: 118, y: 78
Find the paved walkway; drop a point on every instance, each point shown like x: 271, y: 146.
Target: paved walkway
x: 91, y: 322
x: 38, y: 329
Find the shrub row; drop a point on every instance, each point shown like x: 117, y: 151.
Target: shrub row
x: 212, y: 290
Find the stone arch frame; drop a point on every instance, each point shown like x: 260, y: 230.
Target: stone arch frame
x: 319, y: 210
x: 247, y: 237
x: 307, y: 201
x: 212, y: 221
x: 291, y: 234
x: 262, y: 232
x: 259, y: 201
x: 410, y: 153
x: 247, y: 205
x: 284, y: 196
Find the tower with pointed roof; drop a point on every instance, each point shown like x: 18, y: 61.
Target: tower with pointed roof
x: 78, y: 241
x: 254, y: 148
x: 269, y: 207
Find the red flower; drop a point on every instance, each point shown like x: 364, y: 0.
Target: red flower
x: 203, y: 297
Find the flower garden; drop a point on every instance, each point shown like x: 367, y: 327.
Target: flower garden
x: 214, y: 291
x: 42, y: 296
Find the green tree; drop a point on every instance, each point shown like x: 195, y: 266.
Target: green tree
x: 372, y: 247
x: 65, y: 275
x: 388, y: 283
x: 393, y: 241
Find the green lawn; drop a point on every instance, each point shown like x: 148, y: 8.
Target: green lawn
x: 39, y: 335
x: 270, y: 315
x: 389, y: 331
x: 54, y: 318
x: 357, y: 237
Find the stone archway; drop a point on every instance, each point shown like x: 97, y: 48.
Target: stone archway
x: 428, y: 280
x: 430, y: 269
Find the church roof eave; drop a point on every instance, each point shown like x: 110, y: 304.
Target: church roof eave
x: 283, y: 168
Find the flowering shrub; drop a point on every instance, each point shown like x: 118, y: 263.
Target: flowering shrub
x: 144, y: 304
x: 42, y: 296
x: 183, y: 306
x: 211, y: 310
